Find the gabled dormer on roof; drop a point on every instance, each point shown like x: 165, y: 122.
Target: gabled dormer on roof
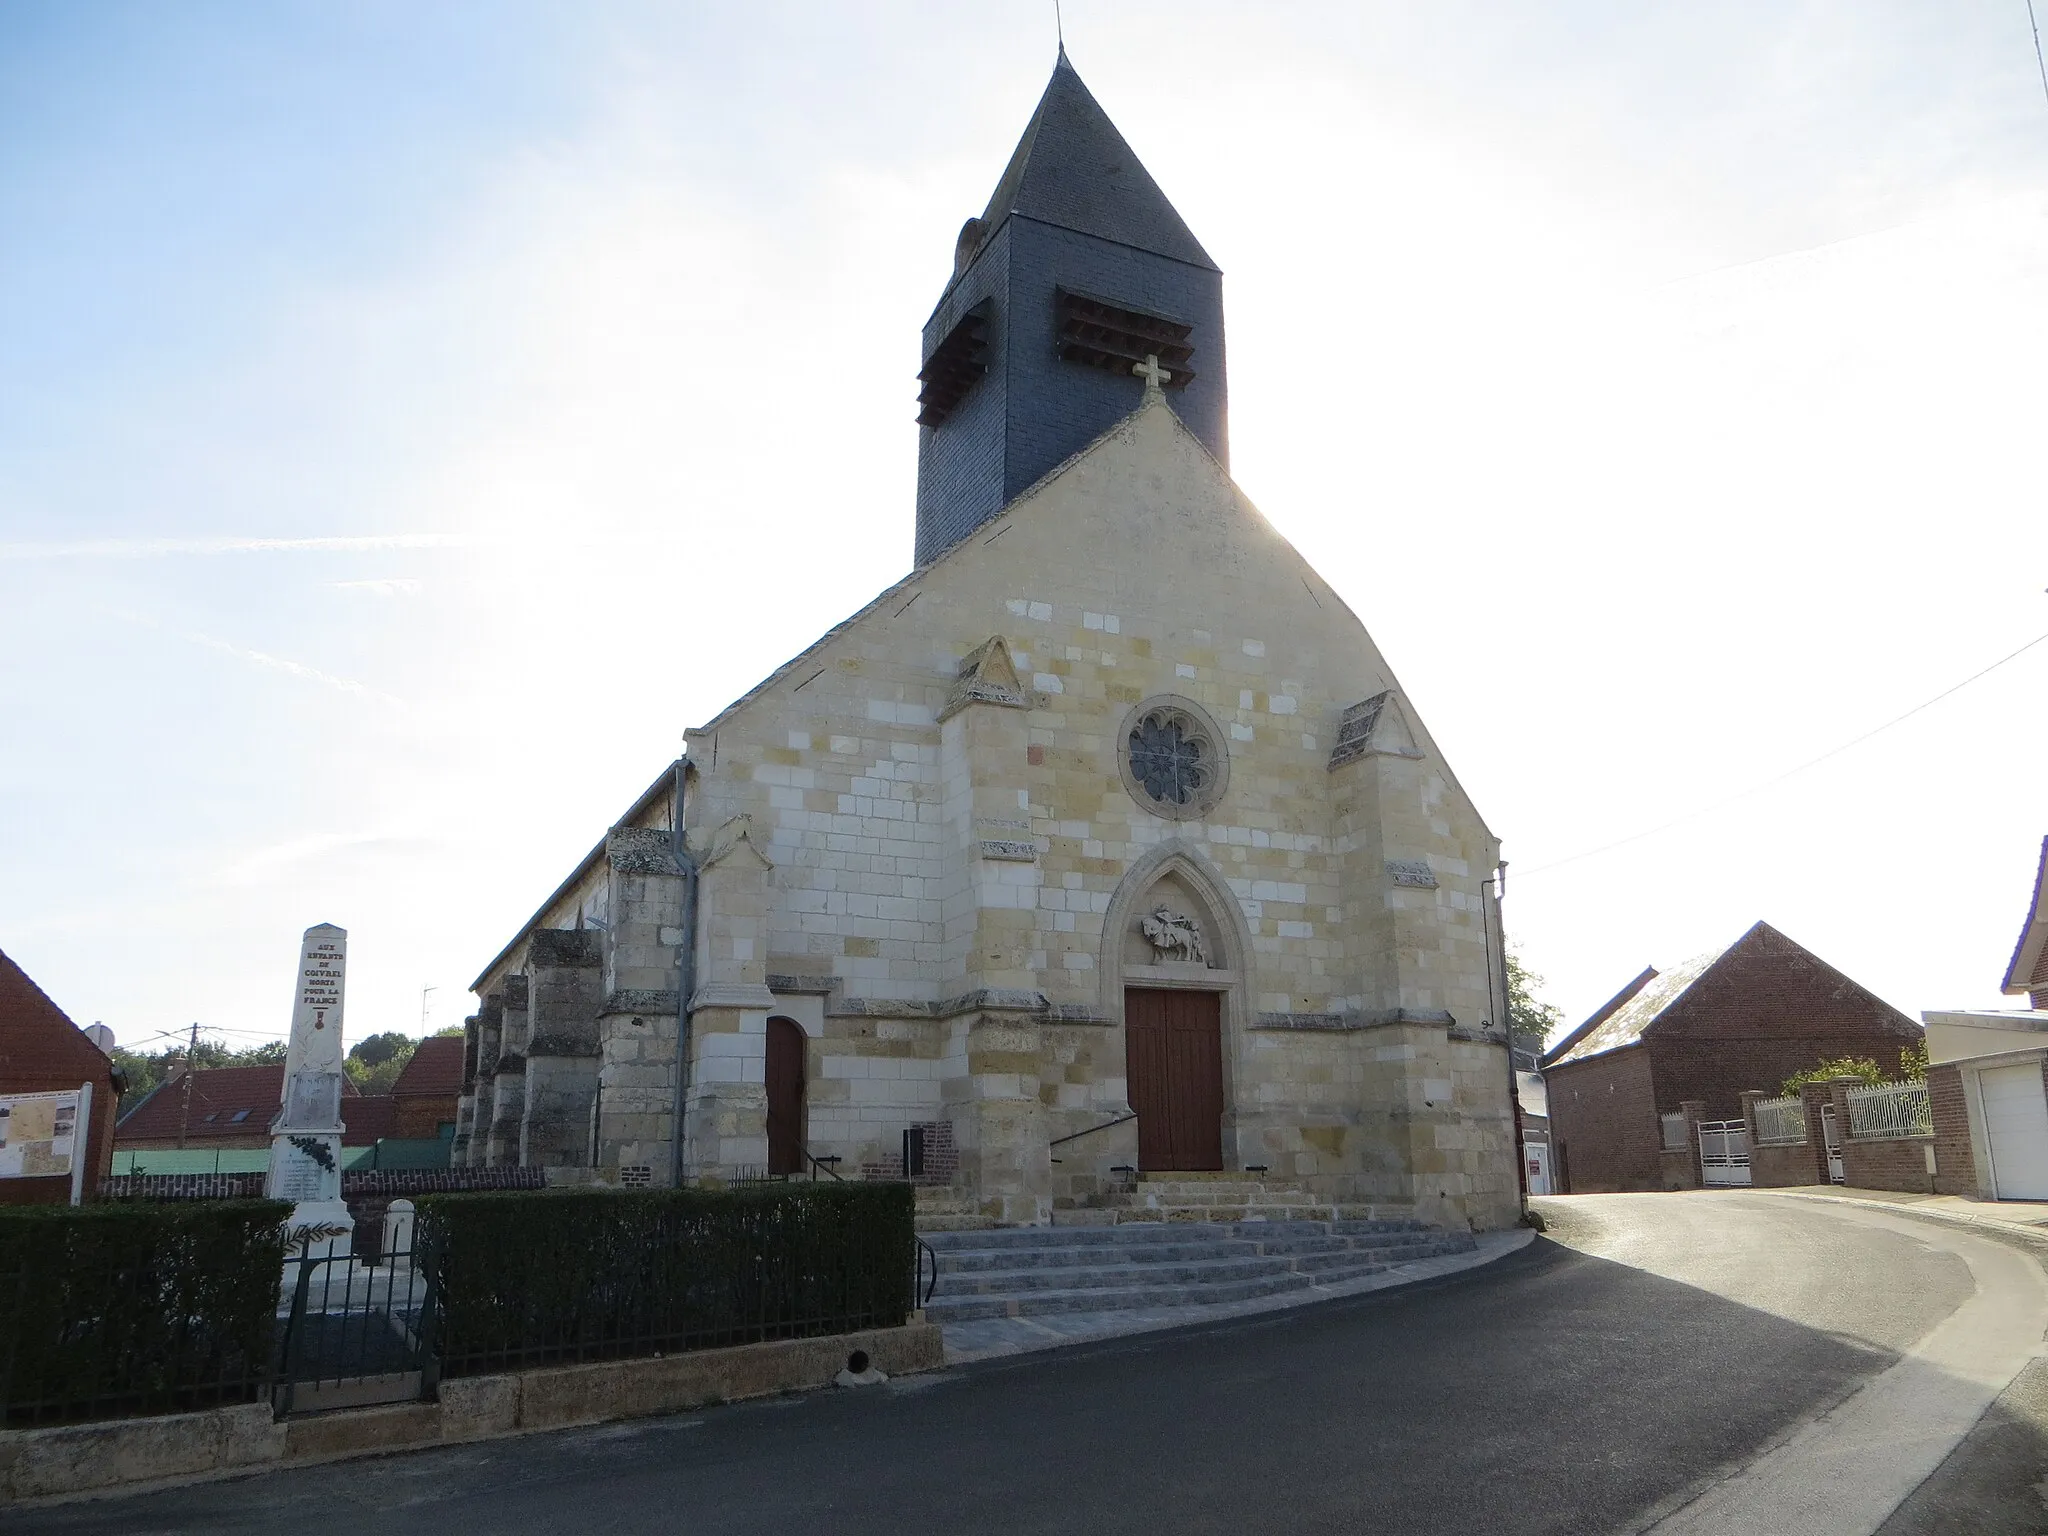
x: 1077, y: 273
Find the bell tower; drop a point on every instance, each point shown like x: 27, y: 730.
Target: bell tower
x: 1077, y: 287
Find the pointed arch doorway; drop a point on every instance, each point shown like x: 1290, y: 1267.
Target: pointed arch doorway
x: 1173, y: 1061
x: 785, y: 1081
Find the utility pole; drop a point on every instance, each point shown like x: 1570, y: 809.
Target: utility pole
x: 425, y: 992
x: 185, y: 1094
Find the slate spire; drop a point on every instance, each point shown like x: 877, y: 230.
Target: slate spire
x: 1074, y: 170
x: 1078, y: 271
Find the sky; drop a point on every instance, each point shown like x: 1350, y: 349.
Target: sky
x: 413, y: 417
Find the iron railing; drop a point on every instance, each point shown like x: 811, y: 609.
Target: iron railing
x: 357, y: 1329
x: 1780, y: 1122
x: 112, y: 1312
x: 1896, y: 1109
x: 926, y: 1280
x: 1077, y: 1135
x: 606, y: 1275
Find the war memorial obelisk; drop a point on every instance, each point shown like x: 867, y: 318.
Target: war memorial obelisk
x: 305, y: 1138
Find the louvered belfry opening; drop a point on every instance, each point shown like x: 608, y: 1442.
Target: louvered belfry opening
x: 956, y: 365
x: 1099, y: 334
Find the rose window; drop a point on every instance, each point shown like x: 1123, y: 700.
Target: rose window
x: 1172, y: 761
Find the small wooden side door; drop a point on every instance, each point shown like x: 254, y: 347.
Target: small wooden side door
x: 1173, y: 1059
x: 785, y: 1074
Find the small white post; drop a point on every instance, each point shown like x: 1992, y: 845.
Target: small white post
x: 81, y: 1143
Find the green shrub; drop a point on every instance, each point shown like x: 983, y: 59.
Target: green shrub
x: 115, y: 1309
x: 531, y: 1278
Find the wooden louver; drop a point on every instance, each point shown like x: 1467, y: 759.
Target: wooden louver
x: 955, y: 366
x: 1103, y: 335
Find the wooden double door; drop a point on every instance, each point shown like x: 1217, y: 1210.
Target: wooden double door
x: 1173, y: 1058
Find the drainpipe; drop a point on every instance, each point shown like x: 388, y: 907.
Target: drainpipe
x: 1507, y: 1019
x: 686, y: 976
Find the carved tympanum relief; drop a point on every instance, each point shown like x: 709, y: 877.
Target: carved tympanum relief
x: 1174, y: 936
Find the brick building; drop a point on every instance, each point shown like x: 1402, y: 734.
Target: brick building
x: 427, y: 1089
x: 232, y: 1107
x: 1988, y: 1076
x: 1744, y: 1017
x: 42, y: 1051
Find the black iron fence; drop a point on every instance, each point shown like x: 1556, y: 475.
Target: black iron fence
x: 358, y: 1328
x: 108, y: 1311
x: 596, y: 1275
x: 124, y: 1309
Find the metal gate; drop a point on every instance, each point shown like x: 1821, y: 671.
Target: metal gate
x: 1831, y: 1134
x: 355, y: 1329
x: 1724, y: 1152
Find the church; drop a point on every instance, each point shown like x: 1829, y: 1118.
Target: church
x: 1102, y: 847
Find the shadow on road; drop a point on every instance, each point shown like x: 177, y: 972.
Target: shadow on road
x: 1550, y: 1392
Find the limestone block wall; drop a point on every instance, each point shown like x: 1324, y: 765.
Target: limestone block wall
x: 921, y: 827
x: 563, y: 1054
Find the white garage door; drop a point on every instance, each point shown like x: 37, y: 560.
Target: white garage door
x: 2016, y: 1115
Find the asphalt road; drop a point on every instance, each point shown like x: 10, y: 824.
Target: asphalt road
x: 1587, y: 1384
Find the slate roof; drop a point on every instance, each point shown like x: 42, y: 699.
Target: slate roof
x: 1073, y: 169
x: 2026, y: 965
x: 1637, y: 1007
x: 435, y: 1068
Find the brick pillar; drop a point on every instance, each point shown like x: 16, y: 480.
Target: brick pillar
x: 1838, y: 1095
x: 1811, y: 1097
x: 1694, y: 1110
x: 565, y: 991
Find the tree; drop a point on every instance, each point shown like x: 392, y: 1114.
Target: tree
x: 1527, y: 1014
x: 1859, y: 1067
x: 144, y: 1073
x: 375, y: 1061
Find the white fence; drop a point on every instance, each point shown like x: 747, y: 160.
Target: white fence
x: 1780, y: 1122
x: 1898, y: 1109
x: 1724, y: 1152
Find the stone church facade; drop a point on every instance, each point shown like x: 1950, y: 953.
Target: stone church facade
x: 1105, y: 842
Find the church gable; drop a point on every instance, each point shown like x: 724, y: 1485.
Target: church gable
x: 1134, y: 579
x: 1111, y: 811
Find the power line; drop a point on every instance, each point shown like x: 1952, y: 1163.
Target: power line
x: 1812, y: 762
x: 2039, y: 63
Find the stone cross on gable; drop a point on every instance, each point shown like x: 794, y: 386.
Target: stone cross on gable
x: 1150, y: 371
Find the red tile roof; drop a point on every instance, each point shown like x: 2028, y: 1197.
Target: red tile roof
x: 239, y: 1101
x: 436, y: 1068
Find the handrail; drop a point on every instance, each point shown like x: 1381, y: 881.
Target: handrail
x: 925, y: 1250
x: 825, y: 1163
x: 1077, y: 1135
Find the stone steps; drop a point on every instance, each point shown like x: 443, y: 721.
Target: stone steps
x: 1016, y: 1272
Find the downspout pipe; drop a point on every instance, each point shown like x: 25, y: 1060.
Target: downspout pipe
x: 686, y: 976
x: 1500, y: 891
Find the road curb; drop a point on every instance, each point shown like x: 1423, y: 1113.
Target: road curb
x: 2024, y: 1234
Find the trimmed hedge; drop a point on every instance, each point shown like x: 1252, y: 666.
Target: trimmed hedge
x: 533, y: 1279
x: 116, y: 1309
